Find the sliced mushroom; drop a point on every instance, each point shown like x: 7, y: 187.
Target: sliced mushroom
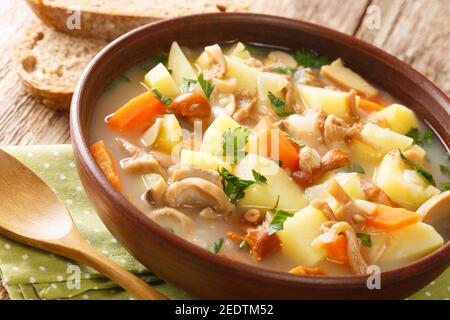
x: 155, y: 193
x: 129, y: 147
x: 209, y: 213
x: 310, y: 159
x: 173, y: 220
x: 142, y: 163
x: 152, y: 134
x: 253, y: 216
x: 218, y: 65
x: 198, y: 192
x: 293, y: 101
x: 245, y: 103
x: 181, y: 172
x: 436, y: 210
x: 336, y: 132
x: 322, y: 205
x: 376, y: 194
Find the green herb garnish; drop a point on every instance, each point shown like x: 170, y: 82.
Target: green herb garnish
x: 115, y: 82
x: 280, y: 216
x: 151, y: 63
x: 206, y: 86
x: 161, y: 97
x: 234, y: 187
x: 216, y: 246
x: 278, y: 104
x: 283, y: 70
x: 414, y: 133
x: 188, y: 85
x: 445, y: 169
x: 310, y: 59
x: 259, y: 178
x: 426, y: 175
x: 447, y: 155
x: 445, y: 186
x: 298, y: 142
x: 428, y: 136
x: 254, y: 50
x: 243, y: 245
x: 233, y: 143
x: 357, y: 168
x: 365, y: 239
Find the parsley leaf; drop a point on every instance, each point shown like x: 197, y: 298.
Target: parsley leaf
x: 188, y: 85
x: 243, y: 245
x: 206, y: 86
x: 428, y: 136
x: 445, y: 169
x: 259, y: 178
x: 234, y: 187
x: 151, y: 63
x: 233, y: 143
x: 283, y: 70
x: 161, y: 97
x: 115, y: 82
x: 254, y: 50
x: 365, y: 239
x: 426, y: 175
x: 357, y: 168
x: 310, y: 59
x: 446, y: 186
x: 415, y: 135
x: 278, y: 104
x: 216, y: 246
x: 447, y: 155
x: 296, y: 141
x: 280, y: 216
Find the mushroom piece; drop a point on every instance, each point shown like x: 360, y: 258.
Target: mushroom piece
x: 180, y: 172
x: 130, y: 148
x: 280, y: 58
x: 293, y: 101
x: 322, y: 205
x: 218, y: 66
x: 436, y: 210
x: 173, y: 220
x: 310, y: 159
x: 152, y: 134
x: 331, y: 230
x: 198, y: 192
x: 142, y: 163
x: 336, y: 132
x: 245, y: 103
x: 376, y: 194
x: 155, y: 193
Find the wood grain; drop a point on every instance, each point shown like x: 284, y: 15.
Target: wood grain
x: 416, y: 31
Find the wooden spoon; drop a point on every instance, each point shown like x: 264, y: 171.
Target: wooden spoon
x: 30, y: 212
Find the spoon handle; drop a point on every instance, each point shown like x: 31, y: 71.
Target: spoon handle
x: 134, y: 285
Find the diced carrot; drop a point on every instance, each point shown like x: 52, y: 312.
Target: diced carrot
x: 337, y: 250
x: 105, y: 162
x: 369, y: 106
x: 286, y: 151
x: 304, y: 271
x: 390, y: 218
x: 137, y: 114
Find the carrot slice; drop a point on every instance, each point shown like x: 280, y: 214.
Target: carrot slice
x: 301, y: 270
x: 369, y: 106
x: 390, y: 218
x: 139, y: 113
x: 286, y: 152
x: 105, y: 162
x: 337, y: 250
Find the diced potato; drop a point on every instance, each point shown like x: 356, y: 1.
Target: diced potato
x: 362, y: 152
x: 270, y: 82
x: 181, y: 68
x: 330, y: 101
x: 246, y: 76
x: 281, y: 58
x: 203, y: 61
x: 278, y: 184
x: 160, y: 78
x: 420, y: 151
x: 239, y: 50
x: 212, y: 138
x: 347, y: 78
x: 298, y: 234
x: 170, y: 135
x: 391, y: 178
x: 385, y: 139
x: 410, y: 243
x: 202, y: 160
x: 398, y: 118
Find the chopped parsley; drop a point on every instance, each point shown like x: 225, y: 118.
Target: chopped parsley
x: 233, y: 143
x: 296, y: 141
x: 243, y: 245
x: 216, y: 246
x: 188, y: 85
x: 426, y: 175
x: 283, y: 70
x: 280, y: 216
x: 279, y: 105
x: 161, y: 97
x: 365, y: 239
x: 310, y: 59
x: 447, y: 155
x: 206, y: 86
x: 151, y: 63
x: 234, y: 187
x: 254, y: 50
x: 427, y: 138
x: 357, y: 168
x: 445, y: 169
x: 115, y: 82
x: 445, y: 186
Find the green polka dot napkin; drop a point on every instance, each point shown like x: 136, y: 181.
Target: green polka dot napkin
x: 29, y: 273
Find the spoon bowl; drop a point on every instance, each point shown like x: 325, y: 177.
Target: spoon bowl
x: 31, y: 213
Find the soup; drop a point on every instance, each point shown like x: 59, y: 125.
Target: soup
x: 273, y: 157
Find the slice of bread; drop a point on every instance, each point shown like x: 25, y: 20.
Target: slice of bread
x: 49, y: 63
x: 108, y: 19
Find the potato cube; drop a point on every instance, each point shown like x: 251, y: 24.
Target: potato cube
x: 398, y: 118
x: 160, y: 78
x: 213, y: 136
x: 202, y: 160
x: 385, y: 139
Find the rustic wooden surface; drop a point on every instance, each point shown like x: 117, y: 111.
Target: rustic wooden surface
x: 416, y: 31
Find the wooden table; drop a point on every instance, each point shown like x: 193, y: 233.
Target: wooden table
x: 416, y: 31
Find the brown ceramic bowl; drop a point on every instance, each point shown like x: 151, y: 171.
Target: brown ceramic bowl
x: 200, y: 272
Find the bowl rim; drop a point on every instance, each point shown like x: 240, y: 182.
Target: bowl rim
x: 81, y: 143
